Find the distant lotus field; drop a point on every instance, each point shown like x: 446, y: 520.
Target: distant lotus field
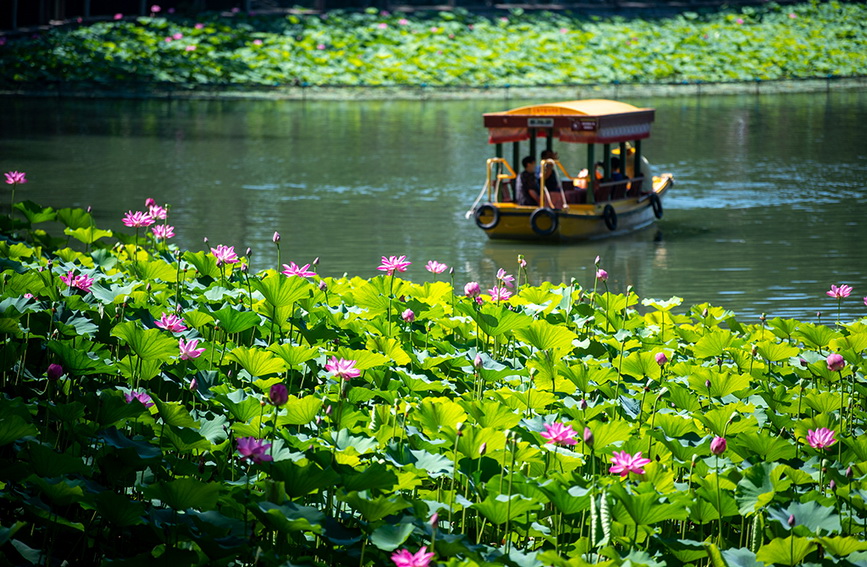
x: 453, y: 48
x: 181, y: 406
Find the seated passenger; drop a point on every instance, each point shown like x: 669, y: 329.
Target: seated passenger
x: 526, y: 186
x: 617, y: 191
x: 550, y: 173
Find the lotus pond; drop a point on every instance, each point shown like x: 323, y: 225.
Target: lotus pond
x: 453, y: 48
x: 170, y: 404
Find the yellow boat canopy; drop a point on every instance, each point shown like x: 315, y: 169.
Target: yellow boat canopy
x: 592, y: 121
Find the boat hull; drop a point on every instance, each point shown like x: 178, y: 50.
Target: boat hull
x: 508, y: 221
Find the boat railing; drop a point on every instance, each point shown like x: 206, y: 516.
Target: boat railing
x: 497, y: 184
x: 544, y: 195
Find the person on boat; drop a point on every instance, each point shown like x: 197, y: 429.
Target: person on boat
x: 618, y: 191
x: 527, y: 187
x: 550, y: 173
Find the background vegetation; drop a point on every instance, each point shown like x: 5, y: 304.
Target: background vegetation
x: 449, y: 49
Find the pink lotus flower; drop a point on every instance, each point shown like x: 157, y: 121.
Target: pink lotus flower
x: 190, y: 48
x: 276, y: 237
x: 404, y: 558
x: 16, y: 178
x: 661, y: 359
x: 839, y: 292
x: 820, y: 438
x: 168, y: 39
x: 589, y: 440
x: 177, y: 35
x: 163, y: 231
x: 623, y: 463
x: 320, y: 46
x: 189, y: 350
x: 142, y: 397
x: 382, y: 25
x: 408, y: 316
x: 199, y: 26
x: 435, y: 267
x: 137, y: 219
x: 403, y: 22
x: 253, y: 449
x: 472, y: 289
x: 499, y: 293
x: 118, y: 16
x: 225, y: 254
x: 80, y: 282
x: 505, y: 278
x: 835, y: 362
x: 155, y: 8
x: 342, y: 368
x: 257, y: 42
x: 393, y: 264
x: 559, y: 433
x: 171, y: 323
x: 718, y: 445
x: 601, y: 275
x: 292, y: 269
x: 522, y: 263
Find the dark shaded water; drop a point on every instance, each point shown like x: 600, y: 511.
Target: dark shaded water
x: 768, y: 210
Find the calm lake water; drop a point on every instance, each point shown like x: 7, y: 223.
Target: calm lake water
x: 768, y: 209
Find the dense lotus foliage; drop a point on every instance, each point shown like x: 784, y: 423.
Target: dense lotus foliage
x: 808, y: 40
x: 175, y: 405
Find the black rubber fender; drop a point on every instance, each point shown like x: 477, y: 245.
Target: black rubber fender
x: 481, y: 211
x: 544, y: 212
x: 610, y: 217
x: 656, y: 204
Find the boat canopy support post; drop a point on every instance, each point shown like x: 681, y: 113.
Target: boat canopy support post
x: 549, y: 140
x: 606, y: 161
x: 516, y: 155
x: 591, y: 167
x: 533, y: 142
x: 636, y: 162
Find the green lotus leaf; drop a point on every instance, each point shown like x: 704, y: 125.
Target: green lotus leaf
x: 856, y: 342
x: 775, y: 352
x: 183, y: 493
x: 841, y: 546
x: 491, y: 414
x: 256, y: 361
x: 281, y: 291
x: 62, y: 492
x: 758, y: 487
x: 499, y: 509
x: 233, y: 320
x: 75, y: 218
x: 713, y: 344
x: 641, y: 365
x: 157, y: 269
x: 173, y: 413
x: 770, y: 449
x: 432, y: 464
x: 242, y: 407
x: 300, y: 411
x: 644, y: 509
x: 789, y: 551
x: 302, y: 480
x: 49, y: 463
x: 816, y: 336
x: 294, y: 355
x: 390, y: 537
x: 811, y: 518
x: 76, y: 361
x: 204, y: 263
x: 495, y: 319
x: 119, y: 510
x: 376, y: 508
x: 35, y: 213
x: 112, y: 293
x: 290, y: 517
x: 147, y: 344
x: 376, y: 477
x: 543, y: 336
x: 88, y: 235
x: 14, y: 428
x: 435, y: 414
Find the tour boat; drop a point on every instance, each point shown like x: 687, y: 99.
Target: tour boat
x: 598, y: 201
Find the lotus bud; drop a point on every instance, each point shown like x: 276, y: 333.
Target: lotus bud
x: 835, y: 362
x: 762, y: 318
x: 596, y: 261
x: 803, y: 362
x: 315, y: 261
x: 54, y: 372
x: 704, y: 312
x: 150, y: 202
x: 323, y: 286
x: 89, y: 209
x: 601, y: 275
x: 589, y: 440
x: 483, y: 449
x: 832, y: 485
x: 328, y: 410
x: 408, y: 316
x: 278, y: 394
x: 194, y: 385
x: 791, y: 521
x: 262, y: 403
x: 205, y: 240
x: 249, y: 252
x: 583, y: 404
x: 477, y: 361
x: 276, y: 238
x: 707, y: 384
x: 243, y: 266
x: 718, y: 445
x: 451, y: 271
x: 849, y: 472
x: 661, y: 359
x: 472, y: 289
